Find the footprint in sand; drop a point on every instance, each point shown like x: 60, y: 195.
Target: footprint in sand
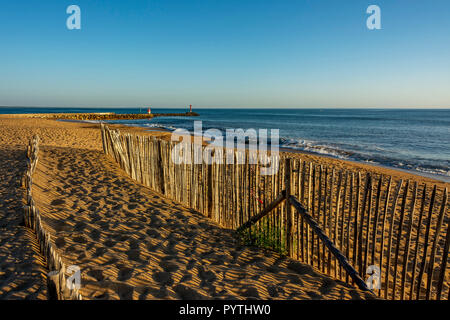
x: 93, y: 207
x: 168, y: 266
x: 117, y: 207
x: 58, y: 202
x: 190, y: 264
x: 94, y: 217
x: 134, y: 244
x: 80, y: 239
x: 300, y: 268
x: 99, y: 252
x: 124, y: 274
x: 111, y: 261
x: 294, y: 279
x: 326, y: 286
x: 159, y: 293
x: 124, y: 291
x: 313, y: 295
x: 156, y: 222
x: 164, y: 278
x: 60, y: 242
x: 187, y: 293
x: 250, y: 292
x: 95, y: 235
x: 132, y: 206
x: 109, y: 243
x: 73, y: 249
x: 273, y: 291
x: 80, y: 226
x: 101, y: 296
x: 206, y: 275
x: 186, y: 278
x: 135, y: 255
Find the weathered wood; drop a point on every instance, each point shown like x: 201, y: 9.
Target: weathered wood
x: 319, y: 205
x: 297, y: 217
x: 313, y: 236
x: 307, y: 242
x: 329, y: 244
x: 399, y: 237
x: 335, y: 222
x: 271, y: 217
x: 263, y: 213
x: 417, y: 242
x: 289, y: 213
x: 383, y: 225
x: 324, y: 216
x: 302, y: 199
x: 376, y: 219
x: 407, y: 245
x: 355, y: 228
x: 391, y: 233
x: 434, y: 247
x: 350, y: 210
x: 341, y: 227
x: 330, y: 210
x: 443, y: 270
x: 361, y: 228
x: 425, y: 249
x: 369, y: 219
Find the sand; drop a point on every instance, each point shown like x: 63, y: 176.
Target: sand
x: 22, y: 272
x: 130, y: 242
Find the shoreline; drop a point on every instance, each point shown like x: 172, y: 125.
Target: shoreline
x: 433, y: 176
x: 440, y: 178
x: 343, y: 164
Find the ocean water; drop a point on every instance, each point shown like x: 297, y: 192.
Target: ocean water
x: 411, y: 139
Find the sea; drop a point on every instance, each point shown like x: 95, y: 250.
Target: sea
x: 415, y: 140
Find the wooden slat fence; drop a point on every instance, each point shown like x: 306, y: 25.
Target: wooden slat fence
x: 59, y: 285
x: 398, y: 228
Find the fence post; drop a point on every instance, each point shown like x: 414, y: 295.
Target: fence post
x: 289, y: 215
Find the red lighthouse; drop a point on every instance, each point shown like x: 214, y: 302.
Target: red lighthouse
x: 190, y: 108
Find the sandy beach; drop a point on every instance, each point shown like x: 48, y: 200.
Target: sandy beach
x: 131, y: 242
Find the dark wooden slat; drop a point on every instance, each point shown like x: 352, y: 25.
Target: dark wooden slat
x: 416, y: 250
x: 361, y: 228
x: 324, y: 216
x: 399, y: 237
x: 376, y: 218
x: 443, y: 265
x: 289, y: 214
x: 391, y: 232
x: 356, y: 221
x: 425, y: 249
x: 263, y: 213
x: 434, y: 247
x: 407, y: 245
x: 328, y: 243
x: 350, y: 210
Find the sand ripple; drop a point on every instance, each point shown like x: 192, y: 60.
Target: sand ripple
x: 132, y: 243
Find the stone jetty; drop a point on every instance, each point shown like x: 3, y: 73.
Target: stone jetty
x: 109, y: 116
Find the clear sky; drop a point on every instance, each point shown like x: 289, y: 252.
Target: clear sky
x: 225, y: 53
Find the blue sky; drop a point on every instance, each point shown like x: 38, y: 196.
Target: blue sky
x: 282, y: 53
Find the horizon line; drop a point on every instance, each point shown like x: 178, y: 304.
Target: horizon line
x: 221, y: 107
